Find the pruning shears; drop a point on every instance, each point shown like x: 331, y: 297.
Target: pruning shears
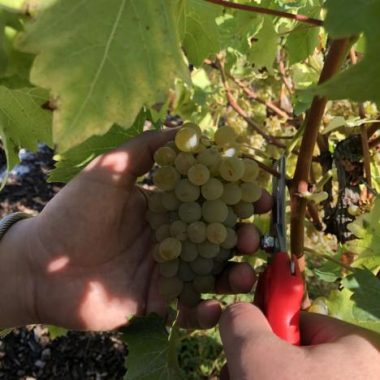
x: 280, y: 287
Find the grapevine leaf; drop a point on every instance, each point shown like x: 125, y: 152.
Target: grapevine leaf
x: 366, y: 291
x: 148, y: 350
x: 341, y: 306
x: 104, y: 70
x: 264, y: 49
x: 74, y: 160
x: 347, y: 18
x: 23, y: 122
x: 201, y: 35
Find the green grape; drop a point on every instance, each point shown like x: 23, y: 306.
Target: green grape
x: 216, y: 233
x: 189, y: 251
x: 162, y: 232
x: 205, y: 141
x: 214, y: 211
x: 166, y: 178
x: 196, y: 232
x: 251, y: 170
x: 154, y: 202
x: 156, y: 219
x: 194, y: 126
x: 231, y: 239
x: 170, y: 287
x: 189, y: 296
x: 224, y: 135
x: 171, y: 144
x: 244, y: 210
x: 198, y: 174
x: 185, y: 273
x: 190, y: 212
x: 208, y: 250
x: 223, y: 255
x: 169, y: 268
x: 209, y: 157
x: 183, y: 162
x: 185, y: 191
x: 231, y: 194
x: 250, y: 192
x: 164, y: 156
x: 231, y: 150
x: 156, y: 254
x: 187, y: 139
x: 231, y: 169
x: 178, y: 230
x: 201, y: 265
x: 231, y: 219
x: 204, y: 284
x: 170, y: 249
x: 169, y: 201
x: 212, y: 189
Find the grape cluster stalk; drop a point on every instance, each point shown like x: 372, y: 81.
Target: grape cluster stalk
x: 204, y: 188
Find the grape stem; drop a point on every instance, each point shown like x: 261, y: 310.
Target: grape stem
x: 266, y: 11
x: 233, y: 103
x: 335, y: 57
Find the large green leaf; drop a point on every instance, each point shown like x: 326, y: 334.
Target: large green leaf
x: 201, y: 35
x: 103, y: 60
x: 149, y: 350
x: 346, y: 18
x: 74, y: 160
x: 23, y: 122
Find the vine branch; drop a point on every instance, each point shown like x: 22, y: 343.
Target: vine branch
x: 266, y: 11
x: 300, y: 183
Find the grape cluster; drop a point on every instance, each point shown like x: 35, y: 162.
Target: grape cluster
x: 204, y: 189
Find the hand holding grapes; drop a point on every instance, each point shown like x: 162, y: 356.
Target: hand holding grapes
x: 88, y: 262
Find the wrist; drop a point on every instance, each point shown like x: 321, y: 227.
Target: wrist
x: 17, y: 294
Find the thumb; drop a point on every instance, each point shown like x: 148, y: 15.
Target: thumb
x: 252, y: 349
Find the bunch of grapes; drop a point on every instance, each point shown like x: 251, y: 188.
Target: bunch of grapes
x: 204, y: 189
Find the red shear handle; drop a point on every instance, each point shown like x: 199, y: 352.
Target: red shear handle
x: 279, y: 295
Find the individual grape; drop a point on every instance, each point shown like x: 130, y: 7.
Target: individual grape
x: 204, y: 284
x: 170, y: 248
x: 224, y: 135
x: 250, y: 192
x: 170, y: 287
x: 169, y: 268
x: 212, y: 189
x: 194, y: 126
x: 208, y: 250
x: 231, y: 219
x: 166, y: 178
x: 231, y: 150
x: 251, y: 170
x: 190, y: 212
x: 184, y: 161
x: 231, y: 169
x: 214, y: 211
x: 202, y: 265
x: 185, y: 273
x: 231, y: 239
x: 189, y: 296
x: 169, y: 201
x: 216, y: 233
x: 231, y: 193
x: 186, y: 191
x: 209, y: 157
x: 156, y: 219
x: 165, y: 156
x: 244, y: 210
x: 198, y: 174
x: 162, y: 232
x: 156, y: 254
x: 187, y: 139
x: 154, y: 202
x: 196, y: 232
x: 178, y: 230
x: 189, y: 251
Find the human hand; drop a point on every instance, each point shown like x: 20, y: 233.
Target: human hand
x: 91, y: 264
x: 331, y: 349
